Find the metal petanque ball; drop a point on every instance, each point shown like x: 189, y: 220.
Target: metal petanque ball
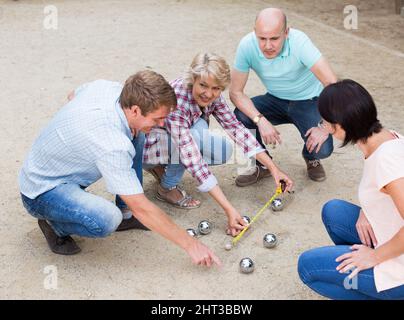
x: 270, y: 240
x: 204, y: 227
x: 247, y: 219
x: 192, y: 232
x: 246, y: 265
x: 277, y: 204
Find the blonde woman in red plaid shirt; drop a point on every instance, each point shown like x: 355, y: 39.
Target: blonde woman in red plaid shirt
x: 185, y: 143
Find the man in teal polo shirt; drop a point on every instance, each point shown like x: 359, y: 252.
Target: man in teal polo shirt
x: 294, y: 73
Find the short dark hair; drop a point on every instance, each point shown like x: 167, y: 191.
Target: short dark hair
x: 350, y: 105
x: 149, y: 91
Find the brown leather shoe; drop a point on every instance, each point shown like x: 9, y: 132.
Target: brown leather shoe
x: 252, y: 176
x: 131, y: 223
x: 59, y: 245
x: 315, y: 170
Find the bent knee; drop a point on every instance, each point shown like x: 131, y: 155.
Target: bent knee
x: 304, y: 264
x: 326, y: 149
x: 330, y: 210
x: 105, y: 223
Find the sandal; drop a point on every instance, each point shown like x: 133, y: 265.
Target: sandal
x: 157, y: 172
x: 163, y: 194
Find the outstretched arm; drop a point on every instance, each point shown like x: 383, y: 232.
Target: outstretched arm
x: 155, y: 219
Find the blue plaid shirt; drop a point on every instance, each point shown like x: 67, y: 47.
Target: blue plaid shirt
x: 89, y: 138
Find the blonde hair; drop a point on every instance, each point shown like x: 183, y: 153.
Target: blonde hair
x: 205, y: 64
x: 148, y: 90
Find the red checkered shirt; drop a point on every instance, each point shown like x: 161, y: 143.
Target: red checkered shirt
x: 178, y: 125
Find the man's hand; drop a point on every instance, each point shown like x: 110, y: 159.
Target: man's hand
x: 365, y: 231
x: 201, y: 254
x: 268, y: 133
x: 158, y: 221
x: 316, y: 138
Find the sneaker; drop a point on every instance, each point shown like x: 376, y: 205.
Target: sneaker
x: 59, y: 245
x: 131, y: 223
x: 315, y: 170
x: 252, y: 176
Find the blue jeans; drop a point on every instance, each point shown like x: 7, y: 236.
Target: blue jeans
x: 317, y: 267
x: 215, y: 150
x: 69, y: 209
x: 138, y: 143
x: 303, y: 114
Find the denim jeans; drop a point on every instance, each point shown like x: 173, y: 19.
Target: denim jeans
x: 317, y: 267
x: 69, y: 209
x: 138, y: 144
x: 215, y: 150
x: 303, y: 114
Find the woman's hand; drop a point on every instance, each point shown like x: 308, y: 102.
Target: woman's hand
x: 316, y: 138
x: 360, y: 258
x: 279, y: 176
x: 235, y: 223
x: 365, y: 231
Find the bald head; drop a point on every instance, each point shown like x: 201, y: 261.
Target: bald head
x: 271, y: 18
x: 271, y: 31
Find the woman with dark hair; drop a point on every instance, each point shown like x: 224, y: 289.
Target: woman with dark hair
x: 367, y: 261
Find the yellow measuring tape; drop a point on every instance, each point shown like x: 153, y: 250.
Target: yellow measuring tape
x: 277, y: 193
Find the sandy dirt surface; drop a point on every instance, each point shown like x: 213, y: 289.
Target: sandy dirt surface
x: 113, y: 39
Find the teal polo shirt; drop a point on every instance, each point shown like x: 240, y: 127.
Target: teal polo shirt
x: 288, y: 75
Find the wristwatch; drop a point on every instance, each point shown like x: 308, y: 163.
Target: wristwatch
x: 257, y: 118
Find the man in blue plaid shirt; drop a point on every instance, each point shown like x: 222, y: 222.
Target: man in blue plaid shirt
x: 100, y: 133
